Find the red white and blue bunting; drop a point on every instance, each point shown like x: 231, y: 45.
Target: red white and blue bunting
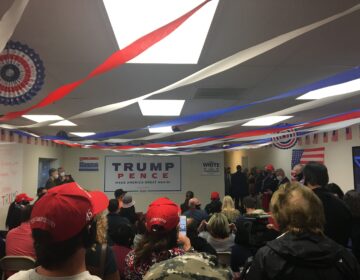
x: 22, y: 74
x: 286, y: 140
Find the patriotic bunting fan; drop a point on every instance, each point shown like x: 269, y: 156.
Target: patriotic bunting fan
x: 286, y: 140
x: 21, y: 74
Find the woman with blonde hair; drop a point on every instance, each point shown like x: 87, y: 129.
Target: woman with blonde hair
x: 228, y: 209
x: 302, y: 251
x: 218, y: 232
x: 99, y: 258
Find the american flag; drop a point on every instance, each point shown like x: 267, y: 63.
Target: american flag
x: 303, y: 156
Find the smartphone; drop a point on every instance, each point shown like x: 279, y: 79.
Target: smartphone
x: 182, y: 225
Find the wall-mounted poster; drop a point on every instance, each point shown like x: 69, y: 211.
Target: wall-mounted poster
x: 210, y: 168
x: 139, y: 173
x: 356, y: 165
x: 89, y: 164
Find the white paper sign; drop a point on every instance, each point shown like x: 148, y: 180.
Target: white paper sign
x: 136, y: 173
x: 210, y: 168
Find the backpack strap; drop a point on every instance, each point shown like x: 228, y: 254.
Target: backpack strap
x: 102, y: 260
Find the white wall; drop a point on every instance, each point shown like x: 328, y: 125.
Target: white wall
x: 191, y: 177
x: 29, y: 168
x: 338, y: 157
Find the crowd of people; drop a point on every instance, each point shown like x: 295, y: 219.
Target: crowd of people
x: 272, y: 227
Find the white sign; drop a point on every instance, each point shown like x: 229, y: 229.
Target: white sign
x: 210, y: 168
x: 136, y: 173
x: 89, y: 164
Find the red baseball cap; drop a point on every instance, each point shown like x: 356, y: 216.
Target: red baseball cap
x: 162, y: 212
x: 65, y: 210
x: 214, y: 195
x: 23, y: 197
x: 269, y: 167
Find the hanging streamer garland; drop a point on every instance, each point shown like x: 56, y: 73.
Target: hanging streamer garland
x: 145, y: 42
x: 340, y: 78
x: 337, y: 121
x: 220, y: 66
x: 22, y: 74
x: 115, y: 60
x: 287, y: 140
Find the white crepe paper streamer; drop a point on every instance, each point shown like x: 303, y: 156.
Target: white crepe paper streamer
x: 10, y: 20
x: 216, y: 68
x: 222, y: 65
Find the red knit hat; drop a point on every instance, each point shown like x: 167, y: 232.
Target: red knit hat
x: 65, y: 210
x: 162, y: 212
x: 23, y: 197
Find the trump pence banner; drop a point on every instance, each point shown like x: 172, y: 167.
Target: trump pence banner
x: 139, y: 173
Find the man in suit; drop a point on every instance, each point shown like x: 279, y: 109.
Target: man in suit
x: 227, y: 180
x: 239, y: 186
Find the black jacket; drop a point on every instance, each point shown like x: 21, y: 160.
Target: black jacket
x: 50, y: 183
x: 213, y: 207
x: 270, y: 183
x: 337, y: 215
x: 129, y: 213
x: 239, y: 186
x: 355, y: 238
x: 114, y: 220
x: 304, y: 256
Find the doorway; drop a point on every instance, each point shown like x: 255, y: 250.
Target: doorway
x: 44, y: 166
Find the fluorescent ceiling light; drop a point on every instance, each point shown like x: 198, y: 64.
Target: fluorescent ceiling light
x: 334, y: 90
x: 63, y: 123
x: 132, y: 19
x: 164, y: 129
x: 161, y: 107
x: 82, y: 134
x: 264, y: 121
x: 43, y: 118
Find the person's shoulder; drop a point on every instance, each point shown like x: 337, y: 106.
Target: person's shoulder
x: 186, y: 213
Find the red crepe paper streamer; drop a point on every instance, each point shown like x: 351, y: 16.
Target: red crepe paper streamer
x: 118, y: 58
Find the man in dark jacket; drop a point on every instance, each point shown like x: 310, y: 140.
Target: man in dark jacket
x: 239, y: 186
x: 337, y: 215
x: 227, y: 180
x: 53, y: 179
x: 270, y: 182
x: 302, y: 252
x: 113, y: 217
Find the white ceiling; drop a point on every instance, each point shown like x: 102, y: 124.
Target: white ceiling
x: 74, y: 36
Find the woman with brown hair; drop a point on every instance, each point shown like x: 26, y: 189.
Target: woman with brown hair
x: 302, y: 251
x: 160, y: 241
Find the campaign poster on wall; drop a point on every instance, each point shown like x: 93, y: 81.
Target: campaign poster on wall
x: 89, y: 164
x: 210, y: 168
x: 139, y: 173
x: 356, y: 166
